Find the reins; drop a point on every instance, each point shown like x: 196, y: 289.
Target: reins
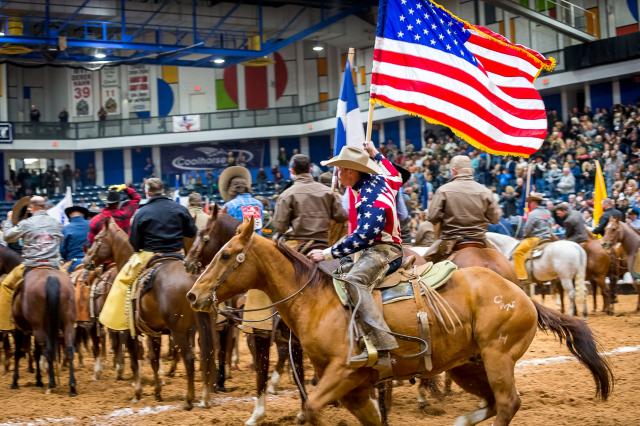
x: 240, y: 258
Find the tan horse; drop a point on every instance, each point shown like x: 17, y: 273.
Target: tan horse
x: 598, y: 261
x: 620, y: 232
x: 498, y: 323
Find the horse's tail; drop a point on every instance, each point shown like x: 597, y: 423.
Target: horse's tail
x: 52, y: 292
x: 581, y: 343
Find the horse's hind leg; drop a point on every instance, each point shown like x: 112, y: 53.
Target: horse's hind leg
x: 360, y: 404
x: 154, y: 344
x: 636, y: 284
x: 97, y: 345
x: 261, y: 360
x: 132, y: 347
x: 38, y: 357
x: 473, y: 378
x: 7, y: 351
x: 117, y: 342
x: 499, y: 367
x: 68, y: 340
x: 283, y: 352
x: 183, y: 341
x: 18, y: 340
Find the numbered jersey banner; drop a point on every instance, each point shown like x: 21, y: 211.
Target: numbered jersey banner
x: 139, y: 88
x: 186, y: 123
x: 111, y: 100
x: 82, y: 93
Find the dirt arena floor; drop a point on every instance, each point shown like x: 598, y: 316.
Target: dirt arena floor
x: 555, y: 391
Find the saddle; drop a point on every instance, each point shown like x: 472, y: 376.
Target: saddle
x: 420, y: 284
x: 538, y: 250
x: 442, y: 249
x: 143, y: 284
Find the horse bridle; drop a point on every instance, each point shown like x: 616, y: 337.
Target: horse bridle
x: 197, y: 251
x: 98, y: 243
x: 240, y: 258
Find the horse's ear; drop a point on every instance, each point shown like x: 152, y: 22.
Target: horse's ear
x: 246, y: 232
x: 215, y: 211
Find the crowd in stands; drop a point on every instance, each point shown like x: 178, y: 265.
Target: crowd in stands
x: 47, y: 182
x: 563, y: 169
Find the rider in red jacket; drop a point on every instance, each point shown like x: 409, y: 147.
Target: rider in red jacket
x: 120, y: 211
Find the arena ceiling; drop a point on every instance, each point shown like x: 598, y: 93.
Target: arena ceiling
x: 200, y: 33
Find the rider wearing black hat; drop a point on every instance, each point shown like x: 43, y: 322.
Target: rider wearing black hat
x: 75, y: 235
x: 120, y: 203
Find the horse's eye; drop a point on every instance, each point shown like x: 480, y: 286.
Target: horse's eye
x: 225, y: 256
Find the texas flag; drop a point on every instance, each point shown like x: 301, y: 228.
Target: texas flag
x: 349, y: 131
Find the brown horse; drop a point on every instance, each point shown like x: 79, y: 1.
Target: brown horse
x: 219, y: 231
x: 620, y: 232
x: 44, y: 305
x: 497, y: 324
x: 598, y: 261
x: 164, y: 309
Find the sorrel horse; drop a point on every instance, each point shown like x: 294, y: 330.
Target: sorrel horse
x: 497, y: 324
x: 598, y: 261
x: 218, y: 232
x: 99, y: 282
x: 617, y: 231
x: 561, y: 260
x: 164, y: 309
x: 43, y: 306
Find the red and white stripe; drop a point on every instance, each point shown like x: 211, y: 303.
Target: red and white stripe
x: 493, y: 106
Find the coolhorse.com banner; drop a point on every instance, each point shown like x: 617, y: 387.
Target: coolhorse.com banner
x: 178, y: 159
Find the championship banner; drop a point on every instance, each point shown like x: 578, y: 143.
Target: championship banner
x: 111, y: 100
x: 110, y: 77
x: 82, y: 92
x: 186, y: 123
x: 110, y: 90
x: 139, y: 88
x: 179, y: 159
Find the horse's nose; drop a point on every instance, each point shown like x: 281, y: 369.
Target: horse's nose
x: 191, y: 297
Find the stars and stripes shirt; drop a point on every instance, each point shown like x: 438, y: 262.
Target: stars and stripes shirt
x: 377, y: 215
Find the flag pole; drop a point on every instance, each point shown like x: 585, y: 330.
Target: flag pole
x: 527, y: 188
x: 351, y: 53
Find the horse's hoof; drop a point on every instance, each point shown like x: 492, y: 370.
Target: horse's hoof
x: 204, y: 404
x: 15, y: 386
x: 39, y: 384
x: 301, y: 418
x: 221, y: 389
x: 271, y: 389
x: 73, y: 392
x: 48, y: 391
x: 135, y: 400
x: 158, y: 397
x: 187, y: 406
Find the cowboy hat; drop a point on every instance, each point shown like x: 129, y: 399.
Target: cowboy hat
x: 20, y: 210
x: 228, y: 175
x: 83, y: 210
x: 112, y: 197
x: 534, y: 196
x: 354, y: 158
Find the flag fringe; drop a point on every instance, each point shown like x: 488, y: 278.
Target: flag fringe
x: 547, y: 65
x: 457, y: 132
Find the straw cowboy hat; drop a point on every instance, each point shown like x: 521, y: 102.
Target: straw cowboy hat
x: 227, y: 175
x: 354, y: 158
x: 20, y: 210
x: 534, y: 196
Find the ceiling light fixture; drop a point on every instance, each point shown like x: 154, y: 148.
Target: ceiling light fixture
x: 1, y: 33
x: 318, y: 48
x: 100, y: 55
x: 219, y: 61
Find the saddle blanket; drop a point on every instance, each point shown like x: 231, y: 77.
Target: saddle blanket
x: 430, y: 275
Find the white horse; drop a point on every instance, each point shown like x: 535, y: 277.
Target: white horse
x: 561, y: 260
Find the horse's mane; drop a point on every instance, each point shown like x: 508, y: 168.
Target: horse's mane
x: 302, y: 266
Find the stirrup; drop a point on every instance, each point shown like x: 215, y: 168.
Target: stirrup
x: 367, y: 358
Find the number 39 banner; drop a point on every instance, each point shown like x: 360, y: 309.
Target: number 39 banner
x: 82, y: 93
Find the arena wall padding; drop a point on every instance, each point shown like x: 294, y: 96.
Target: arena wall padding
x: 113, y: 166
x: 601, y: 95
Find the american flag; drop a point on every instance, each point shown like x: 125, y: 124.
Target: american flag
x: 430, y: 63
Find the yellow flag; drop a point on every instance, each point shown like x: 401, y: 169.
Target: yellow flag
x: 599, y: 194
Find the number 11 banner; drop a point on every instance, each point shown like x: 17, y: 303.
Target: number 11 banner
x: 82, y: 93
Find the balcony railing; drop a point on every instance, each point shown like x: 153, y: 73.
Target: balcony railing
x: 219, y: 120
